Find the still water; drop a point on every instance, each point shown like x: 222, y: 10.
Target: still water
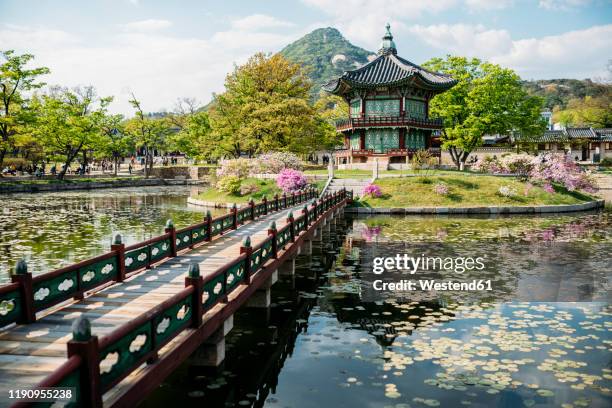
x: 540, y: 338
x: 51, y: 230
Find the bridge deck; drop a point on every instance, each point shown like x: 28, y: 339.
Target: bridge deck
x: 29, y: 353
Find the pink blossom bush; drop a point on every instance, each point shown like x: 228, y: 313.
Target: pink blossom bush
x: 275, y: 162
x: 240, y: 168
x: 441, y: 189
x: 290, y: 180
x: 247, y: 189
x: 372, y: 190
x: 548, y: 188
x: 561, y: 169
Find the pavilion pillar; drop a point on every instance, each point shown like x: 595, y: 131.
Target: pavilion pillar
x: 288, y: 267
x: 362, y: 139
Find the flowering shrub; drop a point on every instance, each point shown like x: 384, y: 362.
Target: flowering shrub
x: 229, y: 184
x: 275, y: 162
x: 548, y: 168
x: 506, y: 191
x: 247, y: 189
x: 558, y: 168
x: 548, y: 188
x: 372, y: 190
x: 240, y: 168
x: 291, y: 180
x: 528, y: 187
x: 441, y: 189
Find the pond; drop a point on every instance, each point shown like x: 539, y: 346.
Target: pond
x: 541, y: 336
x: 51, y: 230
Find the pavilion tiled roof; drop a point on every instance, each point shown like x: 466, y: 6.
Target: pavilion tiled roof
x: 605, y: 134
x: 566, y: 135
x: 581, y: 133
x: 388, y: 69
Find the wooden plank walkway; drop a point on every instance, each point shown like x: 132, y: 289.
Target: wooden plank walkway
x: 29, y: 353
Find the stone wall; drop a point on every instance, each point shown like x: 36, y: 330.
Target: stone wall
x: 181, y: 172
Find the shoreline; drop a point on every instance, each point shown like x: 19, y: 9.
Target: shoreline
x: 92, y: 185
x: 530, y: 209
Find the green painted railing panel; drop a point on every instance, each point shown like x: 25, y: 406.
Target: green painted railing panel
x: 169, y: 323
x: 183, y: 239
x: 10, y: 307
x: 136, y: 258
x: 234, y: 274
x: 199, y: 234
x: 213, y: 290
x: 72, y: 380
x: 227, y: 222
x: 160, y: 249
x: 256, y: 260
x: 217, y: 227
x: 121, y: 356
x: 96, y: 273
x: 60, y: 288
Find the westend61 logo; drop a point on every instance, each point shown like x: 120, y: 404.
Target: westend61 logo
x: 406, y: 264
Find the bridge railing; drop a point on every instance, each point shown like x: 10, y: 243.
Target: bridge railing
x: 94, y: 367
x: 27, y: 294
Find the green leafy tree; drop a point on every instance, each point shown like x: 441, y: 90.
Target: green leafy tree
x: 116, y: 142
x: 15, y: 82
x: 69, y: 122
x: 194, y: 138
x: 487, y: 99
x: 149, y: 133
x: 587, y: 112
x: 265, y: 107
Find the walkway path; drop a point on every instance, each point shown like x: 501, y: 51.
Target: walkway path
x: 29, y: 353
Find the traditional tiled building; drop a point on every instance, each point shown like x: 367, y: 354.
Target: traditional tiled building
x: 583, y: 144
x: 389, y: 108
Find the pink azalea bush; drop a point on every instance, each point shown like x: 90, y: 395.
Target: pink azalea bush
x: 290, y: 180
x: 441, y: 189
x: 372, y: 190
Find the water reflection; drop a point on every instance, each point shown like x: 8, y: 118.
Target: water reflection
x: 56, y: 229
x: 328, y: 341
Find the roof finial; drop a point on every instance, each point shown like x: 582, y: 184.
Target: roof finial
x: 387, y: 46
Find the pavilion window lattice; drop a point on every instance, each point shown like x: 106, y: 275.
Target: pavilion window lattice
x: 415, y: 139
x: 355, y: 108
x: 355, y: 141
x: 381, y: 140
x: 415, y: 108
x: 382, y: 107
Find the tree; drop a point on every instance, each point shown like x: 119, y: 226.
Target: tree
x: 265, y: 107
x: 487, y: 99
x: 116, y: 142
x: 149, y: 133
x: 587, y: 112
x: 15, y: 82
x: 193, y: 138
x: 69, y: 122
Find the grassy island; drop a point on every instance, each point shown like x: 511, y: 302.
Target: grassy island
x: 466, y: 191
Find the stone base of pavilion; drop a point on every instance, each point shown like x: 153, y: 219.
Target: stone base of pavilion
x: 367, y: 159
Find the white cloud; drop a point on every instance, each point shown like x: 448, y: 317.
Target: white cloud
x: 257, y: 22
x: 563, y: 4
x: 564, y: 55
x: 478, y: 5
x: 147, y: 25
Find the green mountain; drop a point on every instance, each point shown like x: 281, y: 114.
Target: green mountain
x: 326, y: 54
x: 558, y: 92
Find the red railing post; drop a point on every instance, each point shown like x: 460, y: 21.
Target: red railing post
x: 272, y: 232
x: 284, y: 200
x: 85, y: 345
x: 293, y: 198
x: 119, y: 247
x: 265, y: 201
x: 252, y: 206
x: 172, y: 231
x: 194, y: 279
x: 24, y: 278
x: 290, y: 221
x: 276, y: 202
x: 247, y: 249
x: 234, y: 212
x: 208, y: 226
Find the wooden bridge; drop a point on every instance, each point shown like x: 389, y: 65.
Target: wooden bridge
x: 114, y: 326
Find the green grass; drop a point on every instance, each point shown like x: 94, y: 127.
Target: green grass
x: 266, y: 187
x: 464, y: 191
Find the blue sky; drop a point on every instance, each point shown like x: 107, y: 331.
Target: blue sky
x: 162, y: 50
